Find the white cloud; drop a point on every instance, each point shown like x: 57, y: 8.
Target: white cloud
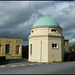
x: 72, y: 40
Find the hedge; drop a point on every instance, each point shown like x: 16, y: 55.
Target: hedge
x: 69, y: 56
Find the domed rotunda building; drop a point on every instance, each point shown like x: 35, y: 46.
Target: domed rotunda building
x: 46, y: 41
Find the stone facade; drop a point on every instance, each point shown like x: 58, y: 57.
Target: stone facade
x: 11, y: 47
x: 66, y: 44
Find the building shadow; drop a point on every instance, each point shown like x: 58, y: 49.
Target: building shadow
x: 25, y: 50
x: 4, y: 62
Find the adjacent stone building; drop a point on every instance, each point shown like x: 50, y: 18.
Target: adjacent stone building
x: 11, y: 47
x: 66, y: 44
x: 46, y: 42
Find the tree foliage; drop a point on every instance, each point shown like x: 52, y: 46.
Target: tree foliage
x: 72, y: 48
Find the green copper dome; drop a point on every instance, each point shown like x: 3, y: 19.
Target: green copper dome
x: 46, y: 21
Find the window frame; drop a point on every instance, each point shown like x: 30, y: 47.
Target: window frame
x: 54, y: 45
x: 18, y: 49
x: 64, y: 43
x: 53, y: 30
x: 32, y: 31
x: 7, y: 47
x: 30, y: 49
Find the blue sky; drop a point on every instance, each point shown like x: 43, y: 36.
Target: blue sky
x: 18, y: 17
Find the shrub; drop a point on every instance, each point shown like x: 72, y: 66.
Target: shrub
x: 2, y: 59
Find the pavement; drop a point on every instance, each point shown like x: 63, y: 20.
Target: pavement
x: 24, y: 67
x: 15, y: 63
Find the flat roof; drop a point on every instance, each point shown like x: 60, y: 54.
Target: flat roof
x: 11, y: 37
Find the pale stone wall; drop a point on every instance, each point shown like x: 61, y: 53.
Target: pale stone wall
x: 45, y: 52
x: 12, y: 52
x: 39, y: 49
x: 55, y: 54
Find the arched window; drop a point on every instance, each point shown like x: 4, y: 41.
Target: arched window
x: 0, y: 48
x: 17, y: 49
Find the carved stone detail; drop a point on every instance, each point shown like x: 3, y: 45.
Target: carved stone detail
x: 8, y: 41
x: 18, y: 41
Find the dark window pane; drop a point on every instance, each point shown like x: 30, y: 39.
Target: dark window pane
x: 31, y: 49
x: 55, y: 45
x: 53, y: 30
x: 7, y: 49
x: 52, y: 45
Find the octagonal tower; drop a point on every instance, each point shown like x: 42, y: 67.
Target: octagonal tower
x: 46, y: 41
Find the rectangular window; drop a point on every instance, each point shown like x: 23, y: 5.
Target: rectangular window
x: 17, y: 49
x: 53, y: 30
x: 54, y: 46
x: 64, y: 43
x: 7, y: 49
x: 30, y: 49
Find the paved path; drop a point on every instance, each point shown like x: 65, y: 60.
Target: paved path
x: 14, y: 64
x: 38, y: 68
